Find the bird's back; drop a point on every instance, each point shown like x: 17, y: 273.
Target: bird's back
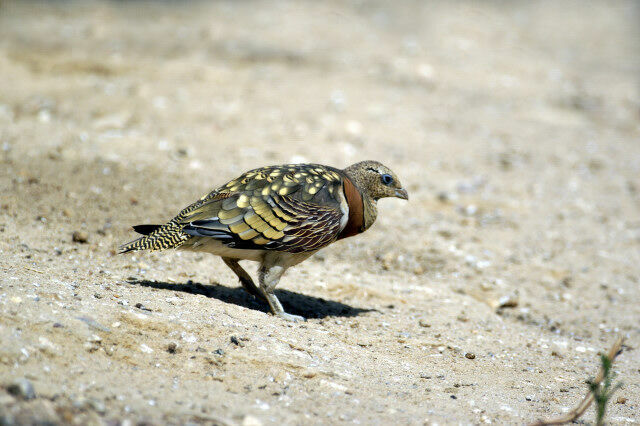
x: 293, y: 208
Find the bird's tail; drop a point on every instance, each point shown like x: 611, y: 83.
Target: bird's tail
x: 156, y: 237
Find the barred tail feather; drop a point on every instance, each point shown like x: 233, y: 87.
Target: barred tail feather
x: 159, y: 237
x: 137, y: 244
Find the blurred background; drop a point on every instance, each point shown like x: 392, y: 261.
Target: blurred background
x: 236, y: 84
x: 515, y: 126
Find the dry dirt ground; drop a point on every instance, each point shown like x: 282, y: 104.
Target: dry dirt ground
x: 484, y: 299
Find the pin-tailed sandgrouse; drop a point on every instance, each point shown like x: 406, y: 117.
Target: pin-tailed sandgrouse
x: 278, y: 216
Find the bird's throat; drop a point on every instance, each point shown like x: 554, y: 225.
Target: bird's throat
x: 362, y: 210
x: 370, y: 212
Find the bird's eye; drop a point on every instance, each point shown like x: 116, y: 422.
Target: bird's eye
x: 387, y: 179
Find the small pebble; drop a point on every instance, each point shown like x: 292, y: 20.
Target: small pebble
x: 309, y: 374
x: 22, y: 388
x: 142, y: 307
x: 423, y: 323
x: 146, y: 349
x: 445, y: 234
x: 81, y: 237
x: 508, y: 301
x: 172, y: 348
x: 95, y: 339
x: 236, y: 342
x: 470, y: 355
x: 469, y: 210
x: 444, y: 197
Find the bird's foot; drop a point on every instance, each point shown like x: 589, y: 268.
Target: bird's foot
x: 276, y: 306
x: 290, y: 317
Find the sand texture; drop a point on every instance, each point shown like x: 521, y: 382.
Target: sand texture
x: 515, y: 127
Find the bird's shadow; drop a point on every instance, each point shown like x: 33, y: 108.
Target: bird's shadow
x: 293, y: 303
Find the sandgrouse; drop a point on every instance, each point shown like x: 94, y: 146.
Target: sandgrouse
x: 278, y: 216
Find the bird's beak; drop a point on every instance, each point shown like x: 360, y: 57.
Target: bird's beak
x: 402, y: 193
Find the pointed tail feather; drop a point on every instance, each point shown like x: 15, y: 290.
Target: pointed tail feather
x: 145, y: 229
x: 132, y: 246
x: 156, y: 237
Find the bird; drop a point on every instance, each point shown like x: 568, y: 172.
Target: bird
x: 277, y: 216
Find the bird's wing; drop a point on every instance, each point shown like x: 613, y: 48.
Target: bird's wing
x: 294, y: 208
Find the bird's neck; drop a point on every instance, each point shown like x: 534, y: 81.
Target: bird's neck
x: 370, y: 211
x: 369, y: 205
x: 362, y: 209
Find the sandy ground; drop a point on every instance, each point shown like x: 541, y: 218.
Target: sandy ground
x: 515, y: 127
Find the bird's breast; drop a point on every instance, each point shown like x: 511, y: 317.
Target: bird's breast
x: 355, y: 222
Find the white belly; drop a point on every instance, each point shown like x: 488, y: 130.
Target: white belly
x: 210, y: 245
x: 213, y: 246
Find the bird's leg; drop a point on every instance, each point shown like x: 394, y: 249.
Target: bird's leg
x: 245, y: 278
x: 269, y: 276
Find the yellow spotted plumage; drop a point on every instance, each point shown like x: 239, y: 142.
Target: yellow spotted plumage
x: 278, y: 216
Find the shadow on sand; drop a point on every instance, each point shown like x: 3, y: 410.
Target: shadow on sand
x: 293, y: 303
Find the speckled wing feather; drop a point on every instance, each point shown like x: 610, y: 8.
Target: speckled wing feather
x: 292, y: 208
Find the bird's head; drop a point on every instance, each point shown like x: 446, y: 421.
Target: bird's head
x: 376, y: 180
